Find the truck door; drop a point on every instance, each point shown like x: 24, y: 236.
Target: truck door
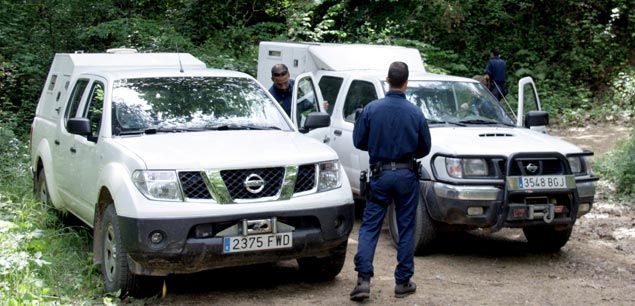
x: 527, y: 101
x: 64, y: 141
x: 306, y: 99
x: 359, y: 92
x: 87, y: 163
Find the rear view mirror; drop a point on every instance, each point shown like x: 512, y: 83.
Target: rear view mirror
x: 79, y: 126
x: 536, y: 118
x: 317, y: 120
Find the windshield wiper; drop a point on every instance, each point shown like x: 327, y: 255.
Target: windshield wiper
x: 480, y: 121
x: 225, y: 127
x: 137, y: 132
x: 433, y: 121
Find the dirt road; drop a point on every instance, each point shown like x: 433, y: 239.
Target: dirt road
x: 596, y: 267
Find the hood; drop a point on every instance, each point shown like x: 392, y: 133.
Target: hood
x: 495, y: 141
x: 226, y: 149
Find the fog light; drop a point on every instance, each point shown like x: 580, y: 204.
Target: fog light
x: 156, y: 237
x: 475, y: 210
x: 583, y: 208
x: 338, y: 221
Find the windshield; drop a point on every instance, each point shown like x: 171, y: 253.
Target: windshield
x: 178, y: 104
x: 456, y: 102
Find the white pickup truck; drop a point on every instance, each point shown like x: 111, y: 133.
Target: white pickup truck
x: 179, y: 168
x: 488, y: 167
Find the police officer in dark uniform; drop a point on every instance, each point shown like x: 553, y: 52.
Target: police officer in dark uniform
x: 496, y: 71
x: 395, y: 133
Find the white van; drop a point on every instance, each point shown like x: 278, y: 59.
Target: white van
x: 179, y: 168
x: 488, y: 167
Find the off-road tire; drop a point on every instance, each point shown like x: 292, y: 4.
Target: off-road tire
x: 320, y: 269
x: 115, y: 272
x: 547, y: 238
x: 426, y: 229
x: 42, y: 191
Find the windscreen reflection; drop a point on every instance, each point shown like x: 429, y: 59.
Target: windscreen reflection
x: 178, y: 104
x: 456, y: 102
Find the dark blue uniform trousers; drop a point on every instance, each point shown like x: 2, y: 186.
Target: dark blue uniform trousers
x: 402, y: 186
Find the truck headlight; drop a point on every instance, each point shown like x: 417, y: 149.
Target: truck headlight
x: 329, y: 176
x: 466, y: 167
x: 158, y: 185
x: 578, y: 164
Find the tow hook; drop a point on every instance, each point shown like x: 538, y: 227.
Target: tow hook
x: 544, y: 211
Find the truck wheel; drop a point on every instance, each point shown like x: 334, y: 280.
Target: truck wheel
x: 114, y: 262
x: 321, y: 269
x: 42, y: 190
x: 547, y: 238
x: 425, y: 228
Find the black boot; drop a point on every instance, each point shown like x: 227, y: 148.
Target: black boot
x: 405, y: 289
x: 362, y: 290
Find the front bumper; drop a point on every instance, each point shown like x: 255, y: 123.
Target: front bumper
x: 488, y: 206
x: 193, y: 244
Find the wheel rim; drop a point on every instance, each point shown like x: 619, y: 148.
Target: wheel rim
x: 110, y: 252
x: 44, y: 194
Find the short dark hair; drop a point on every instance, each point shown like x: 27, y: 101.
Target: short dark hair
x: 397, y: 74
x: 495, y: 52
x: 279, y: 68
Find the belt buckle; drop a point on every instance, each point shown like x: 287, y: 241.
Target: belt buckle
x: 393, y: 166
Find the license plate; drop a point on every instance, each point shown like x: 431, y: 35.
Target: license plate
x: 257, y: 242
x: 541, y: 182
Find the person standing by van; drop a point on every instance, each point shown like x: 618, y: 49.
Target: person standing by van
x: 282, y: 90
x: 496, y: 71
x: 282, y: 87
x: 395, y: 133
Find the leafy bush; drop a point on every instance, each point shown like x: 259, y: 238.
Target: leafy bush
x: 41, y: 259
x: 618, y: 166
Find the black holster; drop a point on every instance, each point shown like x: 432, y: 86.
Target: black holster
x: 364, y: 183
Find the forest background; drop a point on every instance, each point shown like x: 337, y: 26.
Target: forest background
x: 580, y: 53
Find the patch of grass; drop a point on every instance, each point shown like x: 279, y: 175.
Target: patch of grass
x: 41, y: 258
x: 618, y: 167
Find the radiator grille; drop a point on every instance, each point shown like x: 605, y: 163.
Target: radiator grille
x: 306, y: 178
x: 235, y: 182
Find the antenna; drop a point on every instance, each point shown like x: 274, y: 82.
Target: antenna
x: 178, y: 55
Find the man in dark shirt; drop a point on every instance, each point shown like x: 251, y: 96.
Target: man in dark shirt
x: 496, y: 70
x: 282, y: 91
x: 282, y: 88
x: 394, y: 132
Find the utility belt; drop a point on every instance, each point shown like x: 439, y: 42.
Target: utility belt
x: 378, y: 168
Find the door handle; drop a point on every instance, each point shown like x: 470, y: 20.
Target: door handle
x: 337, y: 132
x: 73, y: 150
x: 326, y: 139
x: 57, y: 109
x: 57, y: 142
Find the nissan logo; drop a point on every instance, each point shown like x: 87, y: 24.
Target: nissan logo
x: 254, y: 183
x: 532, y: 168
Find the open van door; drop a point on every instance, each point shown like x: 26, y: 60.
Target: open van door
x: 307, y: 99
x: 530, y: 113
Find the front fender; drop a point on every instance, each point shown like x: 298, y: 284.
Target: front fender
x: 116, y: 178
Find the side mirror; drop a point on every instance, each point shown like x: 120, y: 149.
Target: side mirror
x: 536, y: 118
x: 79, y: 126
x: 317, y: 120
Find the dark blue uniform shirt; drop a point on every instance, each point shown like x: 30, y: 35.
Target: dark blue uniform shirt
x: 497, y: 70
x: 283, y: 97
x: 392, y: 129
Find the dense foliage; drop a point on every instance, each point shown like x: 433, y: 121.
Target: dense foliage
x: 41, y: 258
x: 578, y: 51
